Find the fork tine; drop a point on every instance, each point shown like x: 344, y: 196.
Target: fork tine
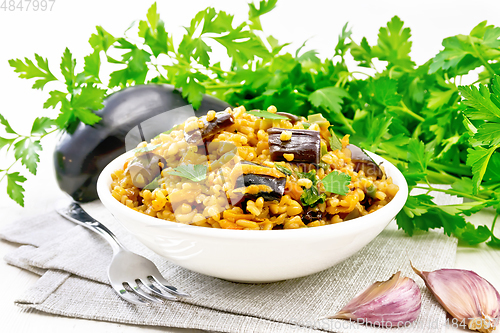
x: 136, y: 289
x: 123, y: 293
x: 170, y: 289
x: 157, y: 292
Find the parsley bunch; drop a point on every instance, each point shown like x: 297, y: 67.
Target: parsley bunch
x: 418, y: 117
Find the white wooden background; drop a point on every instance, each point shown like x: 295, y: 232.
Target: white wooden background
x: 70, y: 24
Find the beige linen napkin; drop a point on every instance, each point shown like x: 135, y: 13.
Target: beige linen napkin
x: 72, y: 262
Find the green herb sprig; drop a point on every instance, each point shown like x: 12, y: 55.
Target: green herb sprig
x: 417, y: 117
x: 195, y: 173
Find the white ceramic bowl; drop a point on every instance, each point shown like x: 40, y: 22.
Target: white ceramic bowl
x: 251, y: 255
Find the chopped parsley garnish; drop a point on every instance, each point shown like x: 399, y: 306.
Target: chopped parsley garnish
x: 334, y: 141
x: 336, y: 182
x: 146, y: 149
x: 267, y: 115
x: 283, y: 169
x: 196, y: 173
x: 311, y: 196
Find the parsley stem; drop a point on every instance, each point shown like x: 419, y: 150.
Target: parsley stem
x: 484, y: 62
x: 409, y: 112
x: 221, y: 86
x: 460, y: 170
x: 442, y: 176
x: 358, y: 72
x: 493, y: 226
x: 301, y: 95
x: 450, y: 191
x: 44, y: 135
x: 216, y: 69
x: 6, y: 171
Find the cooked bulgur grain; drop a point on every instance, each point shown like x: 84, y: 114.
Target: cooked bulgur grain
x: 234, y: 157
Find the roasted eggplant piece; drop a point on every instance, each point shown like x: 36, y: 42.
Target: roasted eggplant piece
x: 311, y: 216
x: 254, y: 180
x: 364, y: 162
x: 221, y: 121
x: 305, y: 145
x: 145, y: 168
x: 79, y: 157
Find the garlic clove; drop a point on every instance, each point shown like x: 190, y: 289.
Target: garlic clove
x: 466, y: 296
x: 390, y: 303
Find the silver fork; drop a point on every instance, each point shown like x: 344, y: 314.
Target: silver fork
x: 127, y: 269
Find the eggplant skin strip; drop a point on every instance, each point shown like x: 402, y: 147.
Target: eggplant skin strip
x: 221, y: 121
x: 305, y: 145
x: 256, y: 174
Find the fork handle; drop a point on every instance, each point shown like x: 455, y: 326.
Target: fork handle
x: 75, y: 213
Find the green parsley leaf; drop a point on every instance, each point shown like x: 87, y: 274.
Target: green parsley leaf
x: 488, y: 133
x: 334, y: 141
x: 153, y: 16
x: 267, y: 115
x: 68, y: 69
x: 101, y: 41
x: 439, y: 98
x: 6, y: 142
x: 27, y: 151
x: 153, y: 32
x: 14, y: 189
x: 393, y: 44
x: 242, y: 46
x: 478, y: 159
x: 66, y: 117
x: 29, y: 70
x: 385, y: 90
x: 217, y: 22
x: 415, y: 206
x: 89, y: 97
x: 55, y: 98
x: 275, y: 46
x: 481, y: 107
x: 342, y: 46
x: 41, y: 125
x: 86, y: 116
x: 93, y: 65
x: 376, y: 133
x: 336, y: 182
x: 6, y: 124
x: 254, y: 14
x: 450, y: 223
x: 118, y: 78
x: 283, y: 169
x: 157, y: 42
x: 193, y: 90
x: 473, y: 235
x: 467, y: 208
x: 154, y: 184
x: 146, y: 149
x: 311, y: 56
x: 330, y: 98
x: 419, y: 157
x: 311, y: 196
x: 362, y: 53
x: 195, y: 173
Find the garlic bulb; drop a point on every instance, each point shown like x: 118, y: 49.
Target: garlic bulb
x: 466, y: 296
x: 390, y: 303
